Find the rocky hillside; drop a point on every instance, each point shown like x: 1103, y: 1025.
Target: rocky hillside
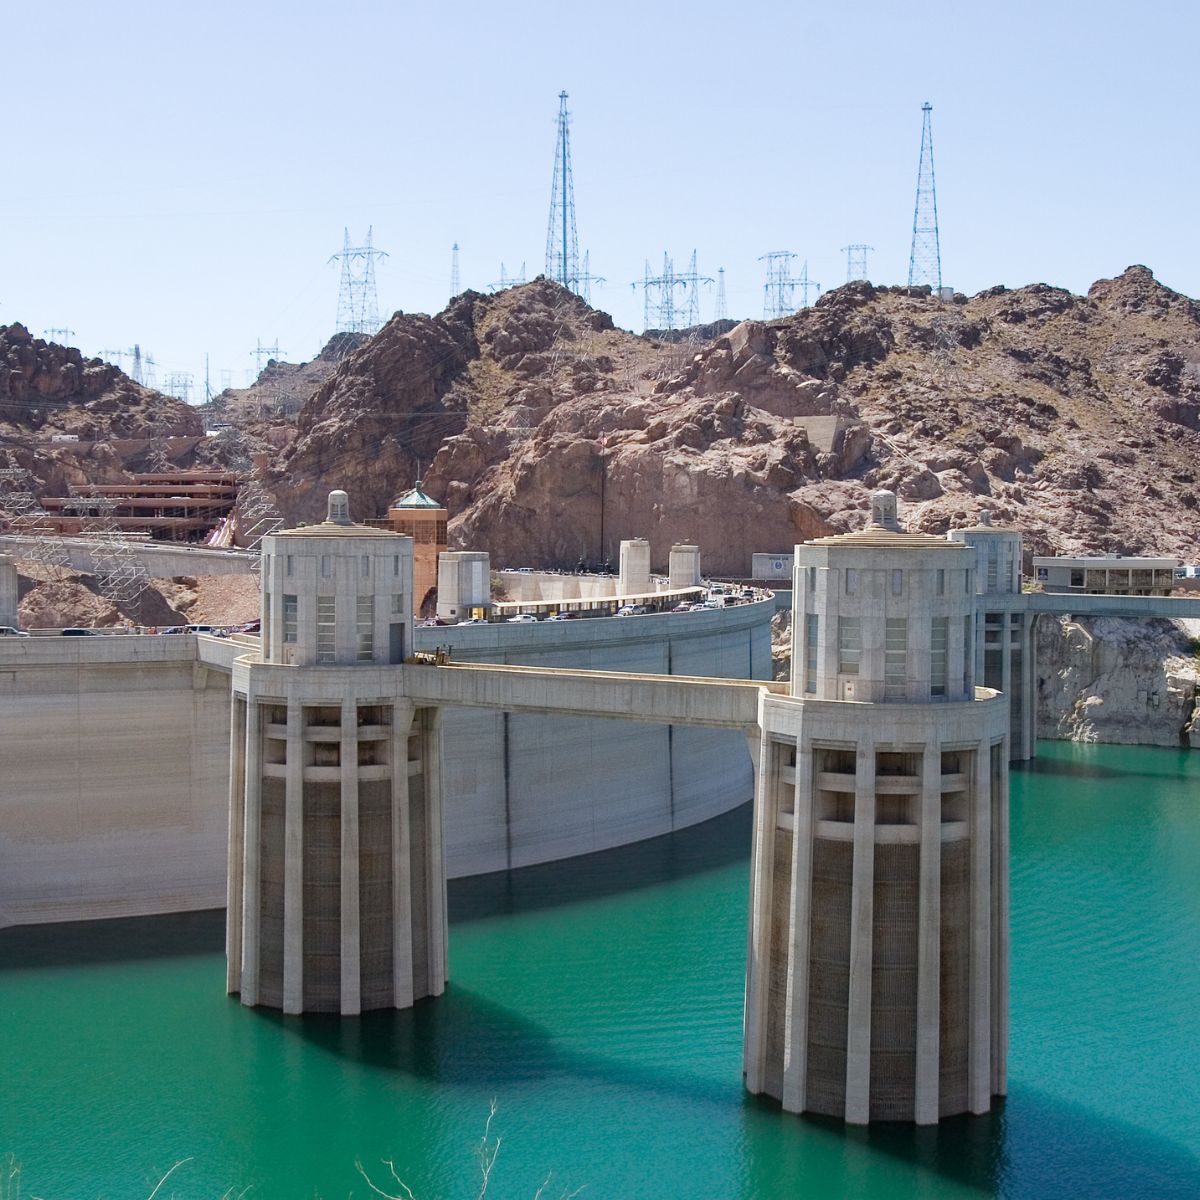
x: 48, y: 389
x: 550, y: 435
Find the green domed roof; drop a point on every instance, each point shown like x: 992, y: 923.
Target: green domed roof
x: 415, y: 499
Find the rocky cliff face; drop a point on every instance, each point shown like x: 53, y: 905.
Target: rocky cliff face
x: 549, y: 435
x: 1103, y: 679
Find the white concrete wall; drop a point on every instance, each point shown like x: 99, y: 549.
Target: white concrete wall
x: 161, y: 560
x: 114, y: 787
x: 114, y: 790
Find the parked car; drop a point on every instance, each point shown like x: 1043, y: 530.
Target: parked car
x: 9, y: 631
x: 475, y: 621
x: 78, y: 632
x: 215, y: 630
x: 686, y: 606
x: 631, y: 610
x: 523, y: 619
x: 250, y: 627
x: 563, y: 616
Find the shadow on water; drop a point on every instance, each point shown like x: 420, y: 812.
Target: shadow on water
x: 463, y: 1038
x: 705, y: 847
x: 120, y: 939
x: 1033, y: 1145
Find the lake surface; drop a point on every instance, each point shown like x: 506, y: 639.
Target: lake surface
x: 599, y: 1002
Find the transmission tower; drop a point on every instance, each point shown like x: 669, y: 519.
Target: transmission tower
x: 692, y: 281
x: 358, y: 298
x: 27, y: 517
x: 64, y: 337
x: 779, y: 288
x: 721, y: 310
x: 113, y: 356
x: 179, y: 385
x: 120, y: 572
x: 506, y: 280
x: 806, y: 285
x: 257, y: 518
x: 135, y: 372
x: 925, y: 259
x: 263, y: 354
x: 455, y: 287
x: 856, y: 261
x: 663, y: 286
x: 562, y: 242
x: 586, y: 278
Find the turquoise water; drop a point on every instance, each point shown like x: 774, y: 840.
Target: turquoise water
x: 599, y: 1002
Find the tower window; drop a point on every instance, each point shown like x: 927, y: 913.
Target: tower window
x: 396, y: 565
x: 897, y: 583
x: 812, y: 579
x: 326, y: 641
x: 895, y: 661
x: 938, y: 645
x: 289, y: 564
x: 941, y: 582
x: 849, y: 645
x: 812, y: 624
x: 366, y: 628
x: 326, y: 565
x: 851, y: 580
x: 366, y: 565
x: 290, y: 619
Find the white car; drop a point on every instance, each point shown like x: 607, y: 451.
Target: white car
x: 523, y: 619
x: 9, y: 631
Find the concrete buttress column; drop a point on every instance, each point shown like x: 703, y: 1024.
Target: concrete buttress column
x: 435, y: 863
x: 236, y: 853
x: 293, y: 862
x: 402, y: 955
x: 795, y: 1055
x: 929, y: 940
x: 758, y: 949
x: 862, y: 915
x: 252, y: 858
x: 351, y: 981
x: 979, y: 1074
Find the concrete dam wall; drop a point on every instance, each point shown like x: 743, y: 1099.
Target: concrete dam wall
x: 115, y: 784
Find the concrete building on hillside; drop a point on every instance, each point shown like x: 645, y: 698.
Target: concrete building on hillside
x: 336, y: 897
x: 877, y: 981
x: 1107, y: 574
x: 423, y: 519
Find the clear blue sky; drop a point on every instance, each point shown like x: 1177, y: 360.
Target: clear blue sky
x: 178, y: 175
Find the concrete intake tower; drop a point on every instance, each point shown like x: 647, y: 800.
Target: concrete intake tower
x: 337, y: 885
x: 877, y: 980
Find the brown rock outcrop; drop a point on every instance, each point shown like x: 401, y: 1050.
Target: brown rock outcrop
x: 549, y: 435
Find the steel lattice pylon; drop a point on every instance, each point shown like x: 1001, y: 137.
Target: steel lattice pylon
x: 358, y: 298
x: 925, y: 258
x: 120, y: 573
x: 27, y: 518
x: 562, y: 242
x: 257, y: 518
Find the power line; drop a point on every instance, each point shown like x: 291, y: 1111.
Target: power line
x: 64, y: 337
x: 925, y: 258
x: 586, y: 278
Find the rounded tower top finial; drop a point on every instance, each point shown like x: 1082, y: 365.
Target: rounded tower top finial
x: 883, y: 510
x: 339, y: 508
